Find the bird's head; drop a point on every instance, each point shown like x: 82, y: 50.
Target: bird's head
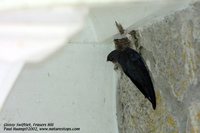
x: 113, y: 56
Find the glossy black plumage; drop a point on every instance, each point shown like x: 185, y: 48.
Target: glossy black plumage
x: 134, y: 67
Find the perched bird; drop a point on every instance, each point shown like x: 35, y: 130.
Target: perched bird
x: 134, y: 67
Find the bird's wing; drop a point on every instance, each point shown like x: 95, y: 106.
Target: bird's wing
x: 134, y: 67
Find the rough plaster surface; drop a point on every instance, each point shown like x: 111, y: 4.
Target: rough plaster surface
x: 171, y: 49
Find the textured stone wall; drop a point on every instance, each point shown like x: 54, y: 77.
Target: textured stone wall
x: 171, y: 49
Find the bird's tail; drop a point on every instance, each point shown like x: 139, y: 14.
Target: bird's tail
x: 152, y: 99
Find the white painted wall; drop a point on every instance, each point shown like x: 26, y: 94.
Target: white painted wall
x: 76, y: 86
x: 72, y: 89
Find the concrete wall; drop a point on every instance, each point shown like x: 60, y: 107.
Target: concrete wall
x: 76, y: 87
x: 171, y: 49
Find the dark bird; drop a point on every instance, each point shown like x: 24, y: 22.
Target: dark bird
x: 135, y: 68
